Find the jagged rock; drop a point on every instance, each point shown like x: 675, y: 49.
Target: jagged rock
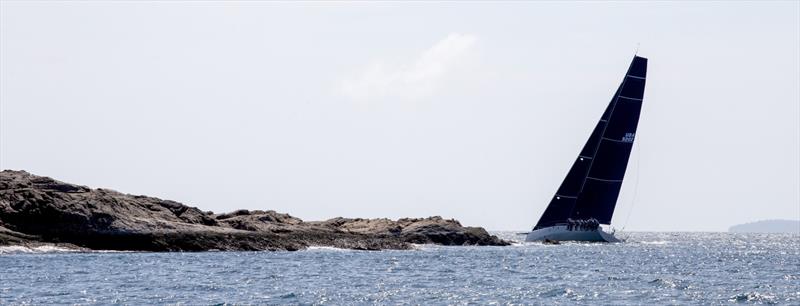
x: 35, y: 209
x: 418, y: 230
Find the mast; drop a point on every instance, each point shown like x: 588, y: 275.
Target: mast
x: 592, y: 185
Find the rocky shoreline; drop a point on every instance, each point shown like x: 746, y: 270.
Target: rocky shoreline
x: 36, y: 210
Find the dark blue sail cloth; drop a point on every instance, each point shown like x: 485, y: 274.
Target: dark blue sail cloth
x: 592, y: 185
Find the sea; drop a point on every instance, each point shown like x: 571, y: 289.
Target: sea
x: 648, y: 268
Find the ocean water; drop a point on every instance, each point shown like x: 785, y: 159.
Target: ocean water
x: 661, y: 268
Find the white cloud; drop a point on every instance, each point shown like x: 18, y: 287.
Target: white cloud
x: 415, y: 78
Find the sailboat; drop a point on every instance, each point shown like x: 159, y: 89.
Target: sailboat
x: 586, y: 199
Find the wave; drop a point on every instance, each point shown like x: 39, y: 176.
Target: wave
x: 754, y: 297
x: 44, y: 249
x: 19, y: 249
x: 327, y: 249
x: 669, y: 283
x: 659, y: 242
x: 565, y: 292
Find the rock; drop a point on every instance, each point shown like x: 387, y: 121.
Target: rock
x: 35, y: 209
x: 548, y: 241
x: 419, y: 230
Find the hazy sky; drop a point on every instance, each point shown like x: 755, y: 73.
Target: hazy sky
x: 473, y: 111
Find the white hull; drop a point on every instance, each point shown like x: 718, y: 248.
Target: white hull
x: 560, y: 233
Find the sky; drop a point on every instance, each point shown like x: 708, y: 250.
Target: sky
x: 468, y: 110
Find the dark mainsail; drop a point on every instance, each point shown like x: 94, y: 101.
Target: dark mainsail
x: 592, y: 185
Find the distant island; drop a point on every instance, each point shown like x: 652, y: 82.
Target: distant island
x: 37, y: 210
x: 768, y: 226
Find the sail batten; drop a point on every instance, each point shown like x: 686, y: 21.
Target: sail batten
x: 595, y: 178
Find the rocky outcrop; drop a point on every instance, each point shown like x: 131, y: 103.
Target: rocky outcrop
x: 35, y: 209
x: 417, y: 230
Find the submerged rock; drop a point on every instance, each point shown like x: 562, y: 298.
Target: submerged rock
x: 35, y: 209
x: 549, y: 241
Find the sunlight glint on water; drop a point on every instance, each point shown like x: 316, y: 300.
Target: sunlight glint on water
x: 651, y: 267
